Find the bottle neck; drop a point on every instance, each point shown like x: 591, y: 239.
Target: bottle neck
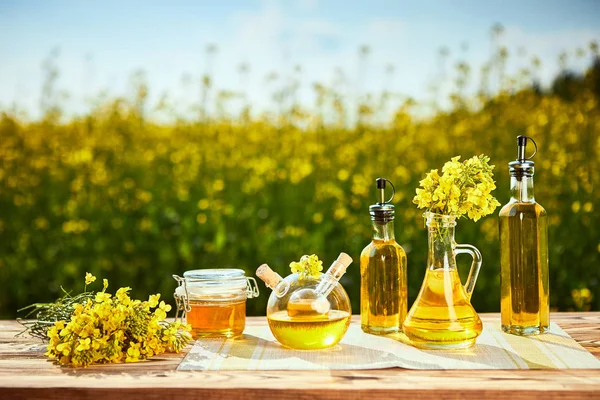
x: 273, y: 280
x: 383, y: 230
x: 330, y: 279
x: 521, y: 189
x: 441, y: 244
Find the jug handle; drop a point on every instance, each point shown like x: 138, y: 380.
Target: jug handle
x: 475, y: 266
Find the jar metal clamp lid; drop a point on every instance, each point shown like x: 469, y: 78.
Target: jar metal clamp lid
x: 207, y: 284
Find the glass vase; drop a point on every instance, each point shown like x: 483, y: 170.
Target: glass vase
x: 442, y: 316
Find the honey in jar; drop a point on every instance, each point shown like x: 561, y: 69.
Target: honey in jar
x: 214, y: 301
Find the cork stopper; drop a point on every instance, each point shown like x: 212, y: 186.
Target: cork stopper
x: 268, y: 276
x: 345, y: 259
x: 338, y: 268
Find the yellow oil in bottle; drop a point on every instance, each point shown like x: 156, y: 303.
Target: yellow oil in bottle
x: 442, y: 316
x: 383, y: 297
x: 218, y: 318
x: 309, y: 333
x: 524, y: 300
x: 303, y: 308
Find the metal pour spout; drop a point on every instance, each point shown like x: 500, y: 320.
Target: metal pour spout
x: 382, y: 211
x: 381, y: 186
x: 523, y: 166
x: 522, y: 148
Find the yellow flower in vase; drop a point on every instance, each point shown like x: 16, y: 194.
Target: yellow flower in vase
x: 308, y: 266
x: 463, y: 189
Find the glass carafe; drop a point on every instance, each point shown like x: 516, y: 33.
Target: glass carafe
x: 308, y: 313
x: 442, y: 316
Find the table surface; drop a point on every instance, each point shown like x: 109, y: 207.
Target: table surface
x: 26, y: 373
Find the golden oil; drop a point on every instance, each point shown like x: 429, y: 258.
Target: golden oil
x: 442, y: 316
x: 524, y: 287
x: 218, y: 318
x: 383, y: 295
x: 309, y: 333
x: 524, y: 298
x: 303, y: 308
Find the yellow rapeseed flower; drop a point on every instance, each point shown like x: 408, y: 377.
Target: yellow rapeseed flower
x: 115, y: 329
x: 153, y: 300
x: 464, y: 188
x: 133, y: 353
x: 308, y: 266
x: 162, y: 310
x: 84, y: 344
x: 101, y: 297
x: 89, y: 278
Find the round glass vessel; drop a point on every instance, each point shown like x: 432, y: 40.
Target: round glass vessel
x: 213, y: 301
x: 301, y: 317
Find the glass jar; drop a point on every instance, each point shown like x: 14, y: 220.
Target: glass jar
x: 213, y: 301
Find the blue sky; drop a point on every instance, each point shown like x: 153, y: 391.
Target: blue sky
x: 102, y: 42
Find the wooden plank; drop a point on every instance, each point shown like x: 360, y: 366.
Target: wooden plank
x: 25, y: 373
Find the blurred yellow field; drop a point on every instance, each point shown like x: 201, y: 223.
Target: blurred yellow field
x: 136, y: 201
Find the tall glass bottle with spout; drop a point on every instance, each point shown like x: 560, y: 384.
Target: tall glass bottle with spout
x: 383, y: 302
x: 524, y: 299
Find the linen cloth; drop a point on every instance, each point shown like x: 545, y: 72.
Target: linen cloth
x: 258, y: 350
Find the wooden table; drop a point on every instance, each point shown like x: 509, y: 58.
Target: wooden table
x: 26, y: 374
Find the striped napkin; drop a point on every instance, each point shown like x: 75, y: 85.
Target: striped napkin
x: 258, y: 350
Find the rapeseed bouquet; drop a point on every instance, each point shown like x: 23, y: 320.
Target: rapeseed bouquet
x: 98, y: 327
x: 463, y: 189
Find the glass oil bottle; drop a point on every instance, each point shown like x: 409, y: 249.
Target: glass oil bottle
x: 310, y: 313
x: 383, y: 293
x: 524, y: 299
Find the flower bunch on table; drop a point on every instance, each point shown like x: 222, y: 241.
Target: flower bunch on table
x: 463, y: 189
x: 109, y: 329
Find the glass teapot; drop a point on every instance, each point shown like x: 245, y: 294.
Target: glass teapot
x: 308, y: 312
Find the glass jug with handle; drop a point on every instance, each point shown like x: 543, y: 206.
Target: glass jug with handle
x: 442, y: 316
